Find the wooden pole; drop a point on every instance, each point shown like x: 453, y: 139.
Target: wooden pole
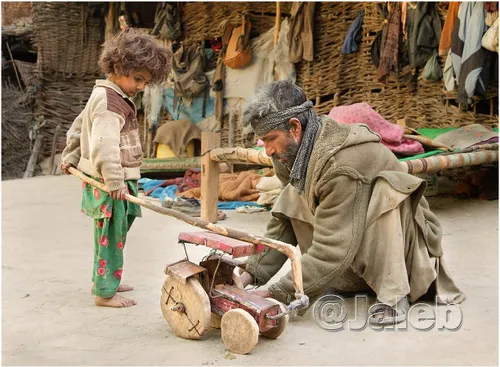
x: 109, y: 22
x: 241, y: 155
x: 209, y: 177
x: 15, y: 68
x: 441, y: 162
x: 428, y: 142
x: 292, y: 252
x: 149, y: 138
x: 34, y: 157
x: 277, y: 24
x: 53, y: 151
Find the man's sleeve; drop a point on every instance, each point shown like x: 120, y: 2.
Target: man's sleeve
x: 72, y: 152
x: 339, y: 222
x: 265, y: 265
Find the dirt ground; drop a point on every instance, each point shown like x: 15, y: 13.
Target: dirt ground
x: 48, y: 316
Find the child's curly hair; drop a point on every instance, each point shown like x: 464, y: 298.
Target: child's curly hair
x: 130, y: 50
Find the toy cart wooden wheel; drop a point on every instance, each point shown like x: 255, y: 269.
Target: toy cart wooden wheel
x: 186, y: 307
x: 281, y: 323
x: 239, y: 331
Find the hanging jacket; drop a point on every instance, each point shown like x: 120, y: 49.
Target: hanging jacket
x: 424, y: 31
x: 301, y: 32
x: 445, y: 42
x: 468, y: 56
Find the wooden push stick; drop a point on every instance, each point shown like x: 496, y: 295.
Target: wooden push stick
x: 209, y: 177
x: 290, y: 251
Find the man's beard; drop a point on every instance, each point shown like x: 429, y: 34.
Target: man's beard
x: 289, y: 155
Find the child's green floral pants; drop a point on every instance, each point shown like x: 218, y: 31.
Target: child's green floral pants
x: 112, y: 221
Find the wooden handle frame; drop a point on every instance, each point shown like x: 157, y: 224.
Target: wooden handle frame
x: 290, y: 251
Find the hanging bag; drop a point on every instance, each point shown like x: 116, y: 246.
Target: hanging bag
x: 490, y: 38
x: 432, y: 70
x: 188, y: 67
x: 238, y: 52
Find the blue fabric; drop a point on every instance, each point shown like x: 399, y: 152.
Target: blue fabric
x: 232, y: 205
x: 142, y: 181
x: 466, y: 43
x: 169, y: 191
x: 353, y: 34
x: 148, y: 184
x: 193, y: 111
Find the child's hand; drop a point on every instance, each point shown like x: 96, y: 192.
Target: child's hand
x: 65, y: 167
x: 119, y: 194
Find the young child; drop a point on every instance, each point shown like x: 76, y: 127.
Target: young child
x: 104, y: 143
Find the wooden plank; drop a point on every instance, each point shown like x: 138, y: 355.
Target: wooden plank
x: 52, y: 169
x: 230, y: 246
x: 169, y: 164
x: 30, y: 169
x: 182, y: 270
x: 225, y: 297
x: 406, y: 122
x: 209, y: 177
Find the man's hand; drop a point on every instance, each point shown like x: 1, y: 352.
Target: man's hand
x: 65, y: 167
x: 263, y: 293
x: 119, y: 194
x: 246, y: 278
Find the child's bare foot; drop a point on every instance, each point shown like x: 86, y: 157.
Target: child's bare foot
x: 115, y: 301
x: 121, y: 288
x: 124, y: 288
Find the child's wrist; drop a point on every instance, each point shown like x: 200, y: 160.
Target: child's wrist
x: 114, y: 185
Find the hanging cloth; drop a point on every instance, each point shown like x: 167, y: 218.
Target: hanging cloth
x: 353, y: 37
x: 467, y: 54
x: 424, y: 33
x: 302, y: 32
x: 390, y: 54
x: 445, y: 41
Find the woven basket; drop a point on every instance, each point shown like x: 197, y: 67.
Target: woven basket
x: 17, y: 118
x: 26, y: 70
x: 59, y: 101
x: 68, y: 39
x: 205, y: 20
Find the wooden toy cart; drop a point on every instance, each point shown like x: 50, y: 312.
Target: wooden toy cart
x: 195, y: 297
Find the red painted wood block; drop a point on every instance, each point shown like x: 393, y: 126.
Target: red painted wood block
x: 235, y: 248
x: 226, y: 297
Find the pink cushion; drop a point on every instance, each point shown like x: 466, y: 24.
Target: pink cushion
x: 391, y: 134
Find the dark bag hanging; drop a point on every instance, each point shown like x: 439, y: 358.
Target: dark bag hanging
x: 188, y: 67
x: 167, y: 21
